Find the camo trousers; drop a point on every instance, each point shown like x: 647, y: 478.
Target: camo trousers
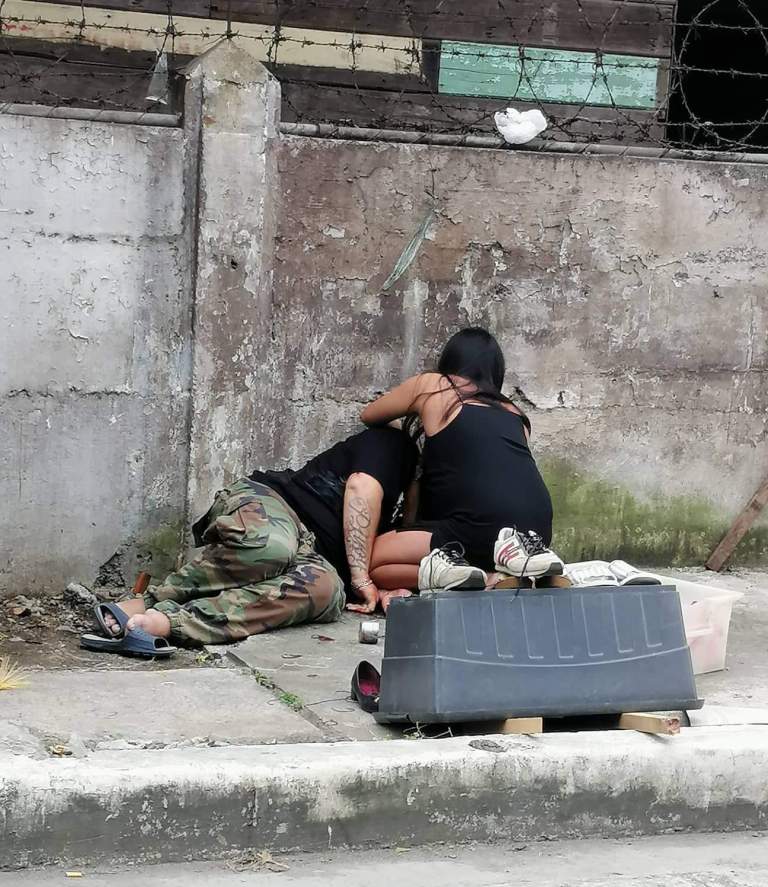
x: 258, y: 571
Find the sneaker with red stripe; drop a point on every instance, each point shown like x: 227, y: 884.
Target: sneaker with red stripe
x: 525, y: 554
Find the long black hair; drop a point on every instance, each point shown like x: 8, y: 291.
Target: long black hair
x: 475, y: 355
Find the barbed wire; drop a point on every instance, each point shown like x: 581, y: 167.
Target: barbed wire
x: 699, y: 80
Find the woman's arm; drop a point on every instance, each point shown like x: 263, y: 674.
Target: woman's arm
x: 405, y: 398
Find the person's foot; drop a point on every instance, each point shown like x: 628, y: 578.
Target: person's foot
x: 130, y: 607
x: 445, y: 569
x: 525, y: 554
x: 153, y: 622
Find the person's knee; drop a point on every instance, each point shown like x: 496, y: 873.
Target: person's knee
x: 377, y: 574
x: 328, y: 597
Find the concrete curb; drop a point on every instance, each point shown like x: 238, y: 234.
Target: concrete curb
x: 186, y: 804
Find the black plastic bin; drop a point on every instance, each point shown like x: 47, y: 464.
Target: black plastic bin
x: 485, y: 655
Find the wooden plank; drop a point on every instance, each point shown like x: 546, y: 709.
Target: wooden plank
x: 554, y: 582
x: 642, y: 27
x: 632, y: 26
x: 314, y: 103
x: 647, y: 723
x: 194, y: 8
x: 88, y: 53
x: 739, y: 528
x: 346, y: 77
x: 513, y: 582
x: 50, y: 77
x: 513, y: 726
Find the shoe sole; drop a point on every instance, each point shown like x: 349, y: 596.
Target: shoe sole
x: 554, y: 569
x: 476, y: 582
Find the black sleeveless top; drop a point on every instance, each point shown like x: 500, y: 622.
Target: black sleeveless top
x: 480, y: 476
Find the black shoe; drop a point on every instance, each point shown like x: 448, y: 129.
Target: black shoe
x: 366, y: 685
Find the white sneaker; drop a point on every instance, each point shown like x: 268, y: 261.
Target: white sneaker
x: 444, y: 569
x: 629, y: 575
x: 525, y: 554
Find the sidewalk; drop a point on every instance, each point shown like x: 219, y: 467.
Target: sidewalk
x: 198, y: 762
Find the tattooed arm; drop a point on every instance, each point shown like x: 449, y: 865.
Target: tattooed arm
x: 362, y: 512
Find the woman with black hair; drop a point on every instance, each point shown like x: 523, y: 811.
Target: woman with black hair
x: 483, y: 503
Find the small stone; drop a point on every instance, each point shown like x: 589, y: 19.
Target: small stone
x: 81, y: 593
x: 487, y: 745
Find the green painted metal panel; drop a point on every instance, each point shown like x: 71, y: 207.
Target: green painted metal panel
x: 547, y: 75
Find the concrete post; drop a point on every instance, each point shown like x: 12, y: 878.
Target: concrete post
x: 231, y: 115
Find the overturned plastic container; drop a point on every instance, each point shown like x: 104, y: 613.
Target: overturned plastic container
x: 486, y: 655
x: 706, y: 619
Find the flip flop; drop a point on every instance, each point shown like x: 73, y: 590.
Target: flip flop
x: 117, y: 613
x: 133, y: 642
x: 366, y: 683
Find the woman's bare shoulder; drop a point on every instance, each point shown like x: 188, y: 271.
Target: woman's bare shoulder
x: 429, y: 383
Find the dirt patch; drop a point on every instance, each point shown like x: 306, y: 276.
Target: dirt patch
x: 44, y: 633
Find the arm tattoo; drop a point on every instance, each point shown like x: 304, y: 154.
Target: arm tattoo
x: 357, y: 527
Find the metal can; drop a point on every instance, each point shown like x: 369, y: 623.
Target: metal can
x: 368, y: 633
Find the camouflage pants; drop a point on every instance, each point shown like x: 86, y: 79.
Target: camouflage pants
x: 258, y: 571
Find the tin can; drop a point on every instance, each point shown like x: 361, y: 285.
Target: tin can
x: 368, y: 633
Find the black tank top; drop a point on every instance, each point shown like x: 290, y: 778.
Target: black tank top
x: 479, y: 471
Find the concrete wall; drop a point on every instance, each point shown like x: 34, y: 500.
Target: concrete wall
x: 94, y: 350
x: 629, y: 296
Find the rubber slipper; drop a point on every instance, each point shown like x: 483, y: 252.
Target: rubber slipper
x: 119, y: 615
x: 134, y: 642
x: 366, y: 684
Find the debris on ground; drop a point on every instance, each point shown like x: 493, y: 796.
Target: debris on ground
x: 43, y: 630
x: 261, y: 860
x: 69, y: 610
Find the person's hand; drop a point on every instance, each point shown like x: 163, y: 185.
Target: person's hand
x: 367, y: 591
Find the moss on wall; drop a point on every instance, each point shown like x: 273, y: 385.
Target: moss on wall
x: 160, y: 549
x: 595, y: 518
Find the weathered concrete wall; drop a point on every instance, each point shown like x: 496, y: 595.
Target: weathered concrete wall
x: 233, y: 103
x: 94, y: 350
x: 629, y: 296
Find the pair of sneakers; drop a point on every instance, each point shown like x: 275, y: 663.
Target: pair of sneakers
x: 515, y: 553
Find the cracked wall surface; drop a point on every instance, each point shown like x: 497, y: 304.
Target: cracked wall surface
x: 94, y: 350
x: 628, y: 295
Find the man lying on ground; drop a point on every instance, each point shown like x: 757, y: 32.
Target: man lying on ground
x: 280, y: 546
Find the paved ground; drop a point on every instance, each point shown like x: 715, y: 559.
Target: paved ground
x: 114, y: 710
x: 137, y: 706
x: 315, y: 664
x: 673, y: 861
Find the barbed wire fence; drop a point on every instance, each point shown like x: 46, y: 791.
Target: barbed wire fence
x: 703, y: 83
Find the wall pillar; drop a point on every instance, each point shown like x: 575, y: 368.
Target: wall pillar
x: 232, y: 106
